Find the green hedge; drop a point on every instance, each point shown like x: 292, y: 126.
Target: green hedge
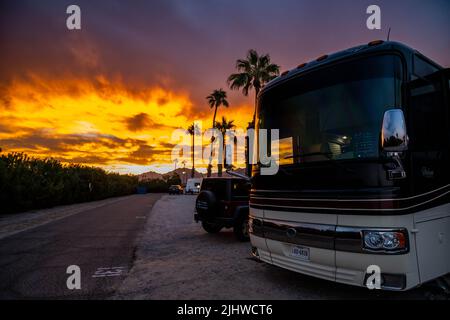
x: 30, y: 183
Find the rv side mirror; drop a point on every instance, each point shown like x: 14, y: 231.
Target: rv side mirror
x: 393, y: 131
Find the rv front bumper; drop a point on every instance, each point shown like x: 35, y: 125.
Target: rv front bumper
x: 355, y: 274
x: 334, y: 253
x: 387, y: 241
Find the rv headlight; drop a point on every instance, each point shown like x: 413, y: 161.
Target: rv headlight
x: 373, y: 240
x: 385, y: 240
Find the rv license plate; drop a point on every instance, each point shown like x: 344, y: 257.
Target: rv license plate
x: 300, y: 253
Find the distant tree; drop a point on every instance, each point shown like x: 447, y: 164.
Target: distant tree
x: 173, y: 179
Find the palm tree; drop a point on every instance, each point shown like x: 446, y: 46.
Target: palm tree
x: 216, y: 99
x: 223, y: 126
x: 193, y: 130
x: 253, y: 72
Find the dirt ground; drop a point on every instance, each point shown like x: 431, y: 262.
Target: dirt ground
x: 177, y: 259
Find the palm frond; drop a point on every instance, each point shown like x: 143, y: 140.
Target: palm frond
x: 254, y: 72
x: 252, y: 57
x: 217, y: 98
x: 243, y: 65
x: 237, y: 81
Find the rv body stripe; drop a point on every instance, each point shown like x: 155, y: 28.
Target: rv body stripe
x: 265, y: 205
x: 342, y: 200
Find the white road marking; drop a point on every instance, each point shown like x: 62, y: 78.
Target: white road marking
x: 109, y: 272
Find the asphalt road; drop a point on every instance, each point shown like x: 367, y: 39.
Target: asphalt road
x: 101, y: 241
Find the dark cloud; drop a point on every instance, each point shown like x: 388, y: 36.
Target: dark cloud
x: 5, y: 99
x: 65, y: 145
x: 166, y: 145
x: 43, y: 139
x: 138, y: 122
x: 142, y: 121
x: 87, y: 159
x: 4, y: 128
x: 144, y: 155
x: 144, y: 151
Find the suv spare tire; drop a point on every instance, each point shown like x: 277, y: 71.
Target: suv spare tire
x: 206, y: 204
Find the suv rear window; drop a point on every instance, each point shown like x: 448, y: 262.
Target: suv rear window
x: 218, y: 187
x: 240, y: 189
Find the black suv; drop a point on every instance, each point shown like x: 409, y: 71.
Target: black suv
x: 223, y: 203
x: 175, y: 189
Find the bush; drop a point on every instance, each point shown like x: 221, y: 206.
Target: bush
x: 29, y: 183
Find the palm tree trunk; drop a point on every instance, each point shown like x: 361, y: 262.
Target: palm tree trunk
x: 214, y: 118
x: 256, y: 105
x: 193, y: 155
x: 221, y: 165
x: 253, y: 126
x: 234, y: 159
x: 209, y: 170
x: 224, y: 153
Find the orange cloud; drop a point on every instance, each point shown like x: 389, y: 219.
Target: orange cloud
x: 99, y: 122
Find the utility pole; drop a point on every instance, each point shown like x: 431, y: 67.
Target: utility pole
x: 184, y: 171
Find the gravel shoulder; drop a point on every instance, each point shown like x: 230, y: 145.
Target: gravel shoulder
x: 176, y: 259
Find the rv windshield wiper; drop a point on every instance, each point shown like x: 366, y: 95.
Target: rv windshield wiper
x: 326, y: 154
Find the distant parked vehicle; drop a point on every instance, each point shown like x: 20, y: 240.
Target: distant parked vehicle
x: 193, y: 185
x: 223, y: 203
x: 175, y: 189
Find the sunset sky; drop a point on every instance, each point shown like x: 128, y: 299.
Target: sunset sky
x: 111, y: 94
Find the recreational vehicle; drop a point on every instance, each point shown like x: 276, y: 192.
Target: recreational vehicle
x: 193, y: 185
x: 363, y: 179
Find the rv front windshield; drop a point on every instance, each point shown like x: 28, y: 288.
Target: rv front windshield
x: 332, y: 113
